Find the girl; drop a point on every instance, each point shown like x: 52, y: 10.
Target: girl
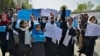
x: 4, y: 21
x: 24, y: 37
x: 66, y: 46
x: 38, y: 41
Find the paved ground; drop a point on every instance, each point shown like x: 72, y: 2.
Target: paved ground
x: 96, y: 53
x: 97, y: 49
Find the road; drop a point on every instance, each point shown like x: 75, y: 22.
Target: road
x: 96, y: 52
x: 97, y: 49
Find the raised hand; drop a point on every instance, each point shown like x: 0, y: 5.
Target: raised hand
x: 9, y: 26
x: 32, y: 18
x: 15, y: 17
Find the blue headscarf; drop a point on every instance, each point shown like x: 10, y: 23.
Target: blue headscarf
x: 37, y: 36
x: 35, y: 32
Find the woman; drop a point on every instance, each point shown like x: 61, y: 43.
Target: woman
x: 51, y: 44
x: 24, y: 33
x: 43, y: 23
x: 66, y: 46
x: 38, y: 41
x: 88, y: 41
x: 4, y: 21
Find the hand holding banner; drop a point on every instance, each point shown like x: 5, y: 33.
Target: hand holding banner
x: 24, y: 14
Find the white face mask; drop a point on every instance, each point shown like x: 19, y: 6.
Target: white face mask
x: 43, y: 21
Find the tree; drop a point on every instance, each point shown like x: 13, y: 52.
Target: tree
x: 82, y: 7
x: 6, y: 3
x: 98, y: 7
x: 26, y: 6
x: 75, y: 10
x: 89, y: 5
x: 13, y: 4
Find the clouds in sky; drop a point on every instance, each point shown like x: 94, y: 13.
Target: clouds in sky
x: 56, y: 4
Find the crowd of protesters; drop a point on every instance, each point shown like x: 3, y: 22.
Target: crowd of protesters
x: 23, y: 43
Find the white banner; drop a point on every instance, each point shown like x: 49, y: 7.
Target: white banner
x: 47, y: 12
x: 92, y: 30
x: 53, y: 31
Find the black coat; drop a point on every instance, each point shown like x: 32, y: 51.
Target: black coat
x: 64, y: 27
x: 11, y: 35
x: 22, y: 33
x: 63, y: 50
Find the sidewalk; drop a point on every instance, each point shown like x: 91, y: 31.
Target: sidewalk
x: 96, y: 52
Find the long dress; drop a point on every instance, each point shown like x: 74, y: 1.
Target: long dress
x: 50, y: 47
x: 12, y: 47
x: 24, y: 47
x: 88, y: 43
x: 4, y: 42
x: 67, y: 49
x: 38, y: 48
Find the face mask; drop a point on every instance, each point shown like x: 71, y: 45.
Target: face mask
x: 52, y: 22
x: 43, y: 21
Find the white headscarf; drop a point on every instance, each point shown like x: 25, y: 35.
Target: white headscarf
x: 89, y: 20
x: 68, y: 37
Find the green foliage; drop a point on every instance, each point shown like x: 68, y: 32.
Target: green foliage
x: 6, y: 3
x: 82, y: 7
x: 75, y: 10
x: 13, y: 4
x: 98, y: 7
x: 26, y: 6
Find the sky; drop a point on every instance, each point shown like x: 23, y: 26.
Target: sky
x: 56, y: 4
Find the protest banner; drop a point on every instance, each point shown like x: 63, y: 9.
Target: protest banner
x: 92, y: 30
x: 68, y: 12
x: 2, y: 28
x: 24, y: 14
x: 36, y: 13
x: 53, y: 31
x: 47, y: 12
